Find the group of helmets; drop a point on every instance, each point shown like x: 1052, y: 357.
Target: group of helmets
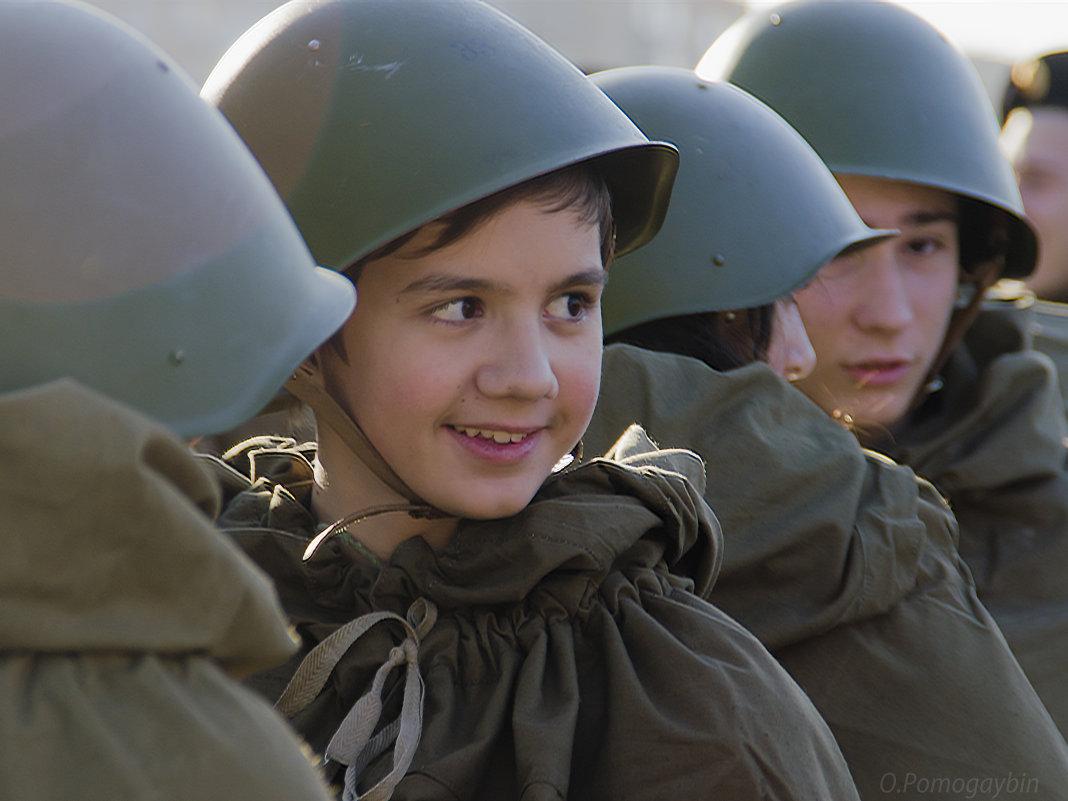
x: 148, y: 255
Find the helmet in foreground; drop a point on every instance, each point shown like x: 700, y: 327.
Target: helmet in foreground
x: 144, y: 252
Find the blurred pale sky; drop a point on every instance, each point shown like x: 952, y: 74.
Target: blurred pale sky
x: 1004, y: 31
x: 601, y: 33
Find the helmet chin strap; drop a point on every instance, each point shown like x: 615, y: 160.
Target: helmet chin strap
x: 980, y: 279
x: 327, y: 410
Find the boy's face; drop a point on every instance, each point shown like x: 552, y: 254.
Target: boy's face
x: 877, y: 317
x: 1036, y: 142
x: 474, y: 368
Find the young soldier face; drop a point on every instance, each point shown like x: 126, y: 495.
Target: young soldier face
x: 1036, y: 142
x: 877, y: 317
x: 475, y: 367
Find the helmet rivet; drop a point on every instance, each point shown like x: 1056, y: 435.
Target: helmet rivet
x: 177, y: 357
x: 163, y: 66
x: 718, y: 260
x: 775, y: 19
x: 313, y: 44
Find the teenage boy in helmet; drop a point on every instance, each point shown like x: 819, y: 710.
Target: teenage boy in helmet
x: 547, y: 649
x: 1034, y: 136
x: 900, y: 117
x: 153, y: 287
x: 832, y: 556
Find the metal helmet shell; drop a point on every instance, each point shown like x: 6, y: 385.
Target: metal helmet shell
x: 877, y: 91
x: 144, y: 253
x: 373, y: 117
x: 754, y: 212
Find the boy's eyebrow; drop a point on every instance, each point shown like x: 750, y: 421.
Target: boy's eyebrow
x: 446, y: 283
x: 929, y: 217
x: 595, y: 277
x: 451, y: 283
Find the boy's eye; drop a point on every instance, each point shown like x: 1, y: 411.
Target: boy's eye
x: 456, y: 311
x: 571, y: 306
x: 923, y: 246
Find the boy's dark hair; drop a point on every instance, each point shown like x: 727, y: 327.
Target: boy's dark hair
x: 579, y: 187
x: 722, y: 340
x: 982, y: 235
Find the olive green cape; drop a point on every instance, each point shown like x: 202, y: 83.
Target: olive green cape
x: 570, y: 657
x: 844, y: 565
x: 993, y: 441
x: 126, y: 616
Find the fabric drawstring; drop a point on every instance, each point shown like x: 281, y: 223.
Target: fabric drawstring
x: 355, y: 743
x: 342, y: 526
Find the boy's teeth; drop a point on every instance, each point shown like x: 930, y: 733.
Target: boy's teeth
x: 500, y: 437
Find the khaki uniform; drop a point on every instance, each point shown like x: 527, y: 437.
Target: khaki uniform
x: 993, y: 441
x: 844, y: 565
x: 570, y: 656
x: 126, y: 618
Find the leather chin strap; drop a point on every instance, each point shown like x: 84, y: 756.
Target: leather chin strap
x: 980, y: 279
x: 328, y: 411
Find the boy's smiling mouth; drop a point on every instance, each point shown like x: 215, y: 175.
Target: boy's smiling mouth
x: 498, y: 436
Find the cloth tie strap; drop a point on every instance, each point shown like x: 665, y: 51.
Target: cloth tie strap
x: 330, y: 412
x: 355, y: 743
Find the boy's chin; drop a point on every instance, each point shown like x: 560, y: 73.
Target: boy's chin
x: 492, y: 508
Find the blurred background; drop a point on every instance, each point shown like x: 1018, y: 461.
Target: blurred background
x: 597, y: 34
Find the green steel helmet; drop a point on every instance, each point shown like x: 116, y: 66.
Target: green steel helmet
x: 754, y: 212
x: 144, y: 253
x: 878, y: 91
x: 374, y: 117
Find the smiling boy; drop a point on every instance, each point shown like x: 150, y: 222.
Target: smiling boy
x: 473, y: 185
x: 474, y: 370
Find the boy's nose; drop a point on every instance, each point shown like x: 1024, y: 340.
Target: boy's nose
x: 882, y: 300
x: 519, y: 367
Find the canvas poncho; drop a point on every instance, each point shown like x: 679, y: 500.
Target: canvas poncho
x: 126, y: 616
x: 566, y: 660
x: 844, y: 565
x: 993, y: 441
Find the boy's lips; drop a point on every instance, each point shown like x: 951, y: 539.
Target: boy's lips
x: 500, y: 444
x: 878, y: 372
